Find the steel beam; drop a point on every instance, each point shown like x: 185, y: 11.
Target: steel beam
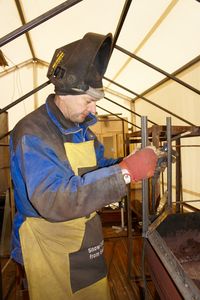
x: 158, y: 69
x: 37, y: 21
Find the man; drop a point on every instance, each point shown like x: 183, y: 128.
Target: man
x: 61, y: 178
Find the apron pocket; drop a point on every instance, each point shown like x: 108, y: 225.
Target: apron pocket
x: 87, y: 265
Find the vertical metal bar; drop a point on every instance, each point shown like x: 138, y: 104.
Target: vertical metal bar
x: 169, y: 163
x: 178, y: 175
x: 124, y: 137
x: 129, y: 232
x: 145, y: 205
x: 145, y: 194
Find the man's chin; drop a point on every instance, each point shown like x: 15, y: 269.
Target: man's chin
x: 81, y: 118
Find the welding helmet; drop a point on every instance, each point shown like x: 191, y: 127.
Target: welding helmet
x: 78, y: 67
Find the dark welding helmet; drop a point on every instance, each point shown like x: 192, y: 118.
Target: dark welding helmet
x: 78, y: 68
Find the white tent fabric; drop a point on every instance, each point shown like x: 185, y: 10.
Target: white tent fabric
x: 163, y: 32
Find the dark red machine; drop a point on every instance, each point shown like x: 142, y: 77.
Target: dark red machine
x: 173, y: 255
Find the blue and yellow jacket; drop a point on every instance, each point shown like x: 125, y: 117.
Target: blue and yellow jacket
x: 45, y: 185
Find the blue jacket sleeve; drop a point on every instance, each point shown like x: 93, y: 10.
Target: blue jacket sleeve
x: 53, y: 190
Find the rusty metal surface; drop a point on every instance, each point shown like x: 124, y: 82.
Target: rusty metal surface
x: 186, y: 247
x: 176, y: 241
x: 184, y: 242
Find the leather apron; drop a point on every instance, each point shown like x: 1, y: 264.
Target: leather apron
x: 64, y: 260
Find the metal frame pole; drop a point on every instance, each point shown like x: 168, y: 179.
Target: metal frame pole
x: 25, y: 96
x: 183, y: 83
x: 145, y: 192
x: 37, y: 21
x: 169, y: 163
x: 150, y: 102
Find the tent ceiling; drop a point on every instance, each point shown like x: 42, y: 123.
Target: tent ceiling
x: 163, y: 32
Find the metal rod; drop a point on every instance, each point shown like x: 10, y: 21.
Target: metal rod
x: 25, y: 96
x: 6, y: 265
x: 20, y: 11
x: 182, y: 146
x: 178, y: 176
x: 47, y: 83
x: 124, y: 137
x: 177, y: 72
x: 133, y: 112
x: 16, y: 67
x: 187, y: 201
x: 151, y: 102
x: 158, y: 69
x: 129, y: 231
x: 169, y: 163
x: 145, y: 194
x: 37, y: 21
x: 121, y: 21
x: 186, y: 133
x: 117, y: 116
x: 193, y: 208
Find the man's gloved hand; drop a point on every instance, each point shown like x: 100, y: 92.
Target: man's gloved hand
x: 140, y: 164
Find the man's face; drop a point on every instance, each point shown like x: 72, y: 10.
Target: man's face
x: 77, y: 107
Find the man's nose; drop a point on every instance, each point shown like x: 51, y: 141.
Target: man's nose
x: 92, y: 107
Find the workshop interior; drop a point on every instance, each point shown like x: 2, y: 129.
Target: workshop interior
x: 152, y: 98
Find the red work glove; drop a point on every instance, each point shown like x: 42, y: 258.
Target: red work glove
x: 140, y: 164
